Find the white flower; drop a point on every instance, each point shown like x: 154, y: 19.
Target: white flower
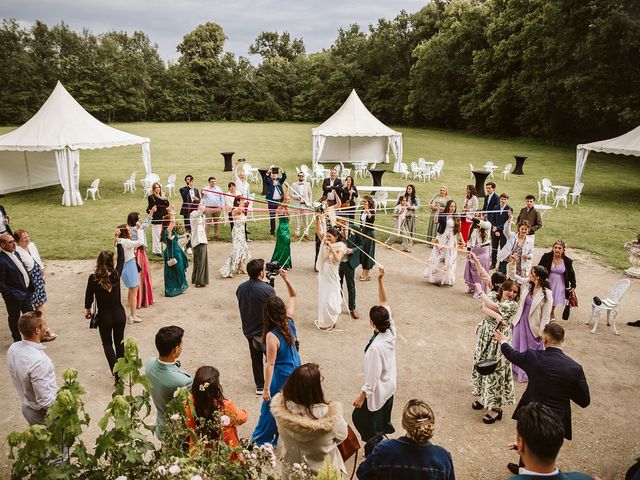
x: 175, y: 417
x: 121, y: 477
x: 174, y: 469
x: 225, y: 420
x: 162, y: 470
x: 254, y: 456
x: 196, y: 477
x: 297, y: 466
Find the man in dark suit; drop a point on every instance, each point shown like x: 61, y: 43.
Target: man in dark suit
x: 491, y: 203
x: 4, y: 221
x: 190, y: 200
x: 501, y: 217
x: 331, y: 186
x: 554, y: 378
x: 274, y: 192
x: 350, y: 262
x: 15, y: 285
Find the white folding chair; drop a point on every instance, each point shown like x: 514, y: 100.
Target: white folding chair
x: 610, y: 305
x: 506, y: 171
x: 93, y: 189
x: 170, y: 187
x: 562, y: 194
x: 380, y: 198
x: 577, y: 191
x: 130, y: 185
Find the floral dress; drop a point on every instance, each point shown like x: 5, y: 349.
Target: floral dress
x: 495, y: 390
x: 240, y: 253
x: 444, y: 256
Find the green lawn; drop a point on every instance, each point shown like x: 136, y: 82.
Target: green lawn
x: 607, y: 218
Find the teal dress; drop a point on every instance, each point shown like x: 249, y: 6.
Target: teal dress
x: 175, y: 277
x: 287, y: 360
x: 282, y: 252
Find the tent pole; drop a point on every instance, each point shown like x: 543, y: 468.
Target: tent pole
x: 26, y: 167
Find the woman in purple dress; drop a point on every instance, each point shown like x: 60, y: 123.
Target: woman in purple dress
x: 480, y: 244
x: 562, y: 277
x: 534, y: 312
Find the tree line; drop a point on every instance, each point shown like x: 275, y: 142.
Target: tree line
x: 561, y: 70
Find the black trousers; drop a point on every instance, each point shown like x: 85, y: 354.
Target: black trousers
x: 348, y: 273
x: 14, y: 309
x: 272, y: 213
x: 496, y: 244
x: 369, y: 424
x: 111, y: 327
x: 256, y: 363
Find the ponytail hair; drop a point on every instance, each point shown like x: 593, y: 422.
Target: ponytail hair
x: 543, y: 278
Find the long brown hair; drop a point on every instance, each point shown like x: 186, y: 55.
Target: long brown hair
x: 124, y: 231
x: 105, y: 271
x: 166, y: 220
x: 207, y: 400
x: 456, y: 219
x: 304, y: 387
x: 274, y: 313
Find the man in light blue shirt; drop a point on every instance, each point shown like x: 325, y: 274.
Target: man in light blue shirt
x: 213, y: 198
x: 164, y: 372
x: 31, y: 369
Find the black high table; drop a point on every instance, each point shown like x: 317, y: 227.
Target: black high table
x: 263, y: 173
x: 481, y: 177
x: 228, y: 161
x: 376, y: 175
x: 519, y: 164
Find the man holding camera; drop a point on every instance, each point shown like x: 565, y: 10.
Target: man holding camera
x: 251, y: 296
x: 274, y: 192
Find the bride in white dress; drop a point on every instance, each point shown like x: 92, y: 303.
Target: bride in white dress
x: 332, y: 249
x: 239, y: 255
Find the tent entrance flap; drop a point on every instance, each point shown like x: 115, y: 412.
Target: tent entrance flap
x: 354, y: 149
x: 68, y: 162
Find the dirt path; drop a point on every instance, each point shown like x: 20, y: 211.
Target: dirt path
x: 436, y: 328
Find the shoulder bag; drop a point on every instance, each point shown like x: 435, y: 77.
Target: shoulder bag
x: 349, y: 447
x: 172, y: 261
x: 93, y: 321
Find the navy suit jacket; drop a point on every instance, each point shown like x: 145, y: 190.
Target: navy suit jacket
x: 12, y: 284
x: 501, y: 218
x: 271, y: 187
x: 489, y: 205
x: 187, y: 202
x: 554, y: 380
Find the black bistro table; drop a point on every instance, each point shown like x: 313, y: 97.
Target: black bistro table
x: 228, y: 161
x: 519, y: 164
x: 481, y: 178
x: 376, y: 175
x: 263, y: 173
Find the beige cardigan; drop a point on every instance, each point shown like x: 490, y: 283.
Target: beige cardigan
x: 308, y: 440
x: 540, y: 312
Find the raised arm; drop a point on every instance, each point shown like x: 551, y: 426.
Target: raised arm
x: 291, y: 304
x: 382, y: 292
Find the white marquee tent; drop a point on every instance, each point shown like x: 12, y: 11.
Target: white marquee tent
x: 626, y: 144
x: 353, y: 134
x: 45, y: 150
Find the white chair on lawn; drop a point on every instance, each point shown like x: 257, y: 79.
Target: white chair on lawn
x: 250, y: 173
x: 93, y: 189
x: 610, y: 305
x: 489, y: 167
x: 577, y: 190
x: 344, y: 173
x: 380, y: 198
x: 359, y: 169
x: 506, y: 171
x: 404, y: 171
x: 307, y: 173
x: 337, y: 168
x: 562, y: 195
x: 416, y: 171
x: 130, y: 185
x: 250, y: 215
x: 437, y: 168
x: 546, y: 185
x: 170, y: 187
x: 371, y: 167
x: 471, y: 169
x: 542, y: 192
x: 148, y: 181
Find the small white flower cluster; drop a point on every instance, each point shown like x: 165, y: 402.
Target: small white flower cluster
x: 268, y: 449
x: 225, y: 421
x: 175, y: 417
x: 203, y: 386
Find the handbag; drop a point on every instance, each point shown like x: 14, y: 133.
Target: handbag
x: 93, y: 321
x: 349, y: 447
x: 172, y: 261
x: 566, y: 312
x: 486, y: 366
x: 573, y: 299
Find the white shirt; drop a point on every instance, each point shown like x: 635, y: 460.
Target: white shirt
x: 229, y: 199
x: 380, y: 374
x: 140, y: 233
x: 32, y: 374
x: 524, y: 471
x: 3, y: 227
x: 242, y: 186
x: 198, y: 233
x: 29, y: 256
x: 129, y: 246
x: 212, y: 199
x: 14, y: 258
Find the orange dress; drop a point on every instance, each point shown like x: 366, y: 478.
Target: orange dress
x: 237, y: 416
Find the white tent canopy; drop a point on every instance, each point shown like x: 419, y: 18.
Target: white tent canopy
x: 353, y: 134
x: 45, y: 150
x: 626, y: 144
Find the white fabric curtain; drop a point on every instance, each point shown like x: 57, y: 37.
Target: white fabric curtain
x: 68, y: 163
x: 146, y: 158
x: 581, y: 160
x: 318, y: 146
x: 396, y: 148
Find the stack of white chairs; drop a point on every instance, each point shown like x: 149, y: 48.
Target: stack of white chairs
x: 93, y: 189
x: 170, y: 187
x: 506, y: 171
x: 577, y: 191
x: 562, y: 195
x: 130, y: 185
x: 380, y: 199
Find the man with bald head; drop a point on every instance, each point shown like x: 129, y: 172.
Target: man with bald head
x: 15, y: 285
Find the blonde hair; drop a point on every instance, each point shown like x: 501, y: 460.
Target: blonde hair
x: 418, y: 420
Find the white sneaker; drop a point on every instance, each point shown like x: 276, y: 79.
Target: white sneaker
x: 134, y: 319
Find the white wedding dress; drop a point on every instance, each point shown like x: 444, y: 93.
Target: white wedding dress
x: 329, y: 291
x: 239, y: 248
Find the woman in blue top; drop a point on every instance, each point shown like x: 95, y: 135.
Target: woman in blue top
x: 279, y: 339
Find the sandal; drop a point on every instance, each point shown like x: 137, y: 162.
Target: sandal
x: 488, y: 419
x: 476, y: 405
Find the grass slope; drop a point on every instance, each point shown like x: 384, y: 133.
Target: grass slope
x: 607, y: 218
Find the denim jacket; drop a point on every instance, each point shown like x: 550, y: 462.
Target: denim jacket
x: 404, y: 459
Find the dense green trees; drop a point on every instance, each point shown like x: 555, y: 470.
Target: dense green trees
x: 565, y: 70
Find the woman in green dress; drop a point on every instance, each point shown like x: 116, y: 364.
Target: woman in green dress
x: 367, y: 219
x: 282, y: 252
x: 439, y: 201
x: 495, y: 390
x: 175, y: 260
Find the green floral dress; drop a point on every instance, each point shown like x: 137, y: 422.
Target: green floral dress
x: 496, y: 390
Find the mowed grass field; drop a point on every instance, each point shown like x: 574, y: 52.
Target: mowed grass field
x: 606, y: 219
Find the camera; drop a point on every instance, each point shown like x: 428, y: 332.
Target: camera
x: 272, y: 270
x: 242, y: 160
x: 275, y: 170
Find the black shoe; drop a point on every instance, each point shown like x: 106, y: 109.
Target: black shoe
x: 477, y: 405
x: 488, y: 419
x: 634, y: 324
x: 513, y: 468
